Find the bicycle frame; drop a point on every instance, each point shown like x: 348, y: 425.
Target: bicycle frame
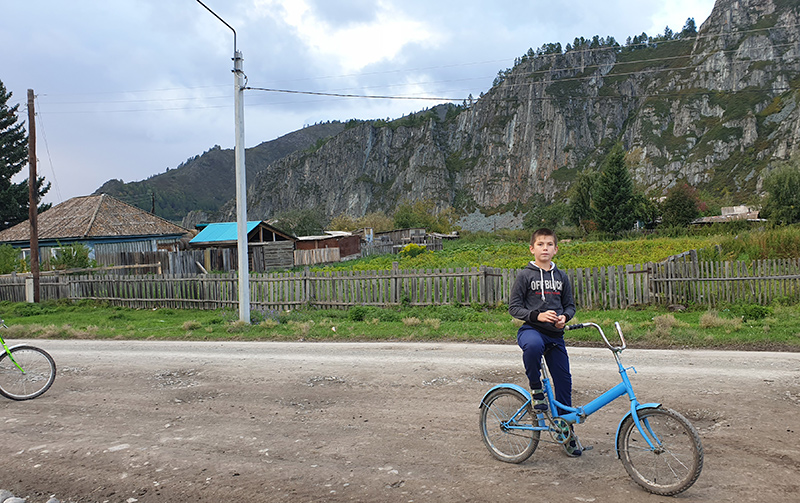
x: 577, y: 415
x: 7, y: 349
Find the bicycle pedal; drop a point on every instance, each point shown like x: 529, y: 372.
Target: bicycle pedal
x: 588, y: 448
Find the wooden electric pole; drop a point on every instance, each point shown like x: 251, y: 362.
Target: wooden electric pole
x: 33, y: 199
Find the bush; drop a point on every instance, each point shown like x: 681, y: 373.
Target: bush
x: 357, y: 313
x: 411, y: 250
x: 751, y: 312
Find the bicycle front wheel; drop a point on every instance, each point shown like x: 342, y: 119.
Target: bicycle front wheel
x: 37, y: 374
x: 675, y: 463
x: 497, y: 411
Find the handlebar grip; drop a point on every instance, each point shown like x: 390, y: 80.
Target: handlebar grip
x: 575, y: 327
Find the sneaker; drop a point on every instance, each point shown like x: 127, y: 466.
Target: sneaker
x: 537, y: 400
x: 572, y: 446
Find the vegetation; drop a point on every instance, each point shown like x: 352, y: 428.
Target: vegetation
x: 424, y: 214
x: 486, y: 249
x: 14, y: 199
x: 9, y: 260
x: 75, y: 256
x: 681, y: 206
x: 731, y: 327
x: 613, y: 202
x: 782, y: 204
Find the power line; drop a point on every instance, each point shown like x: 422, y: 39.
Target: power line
x: 332, y: 94
x: 47, y: 149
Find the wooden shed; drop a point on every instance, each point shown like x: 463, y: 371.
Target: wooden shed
x: 268, y: 247
x: 332, y: 246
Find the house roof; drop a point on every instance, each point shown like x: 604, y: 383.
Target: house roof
x: 227, y: 232
x: 97, y: 216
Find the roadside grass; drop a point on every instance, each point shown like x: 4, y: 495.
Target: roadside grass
x: 745, y: 327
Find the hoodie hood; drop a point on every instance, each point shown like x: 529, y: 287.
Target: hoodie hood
x: 533, y: 266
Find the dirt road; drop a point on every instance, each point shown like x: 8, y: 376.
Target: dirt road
x: 382, y: 422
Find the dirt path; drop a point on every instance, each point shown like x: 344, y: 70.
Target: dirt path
x: 383, y: 422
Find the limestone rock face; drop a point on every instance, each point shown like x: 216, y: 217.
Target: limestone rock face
x: 713, y: 108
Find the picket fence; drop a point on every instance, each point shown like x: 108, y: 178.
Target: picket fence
x: 675, y: 282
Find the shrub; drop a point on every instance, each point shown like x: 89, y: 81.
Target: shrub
x: 411, y: 250
x: 357, y: 313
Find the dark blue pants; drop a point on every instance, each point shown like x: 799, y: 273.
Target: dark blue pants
x: 534, y: 344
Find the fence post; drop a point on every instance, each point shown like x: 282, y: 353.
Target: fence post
x: 306, y: 286
x: 482, y: 285
x: 394, y: 285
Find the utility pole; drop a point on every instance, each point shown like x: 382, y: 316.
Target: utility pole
x: 33, y: 197
x: 241, y: 183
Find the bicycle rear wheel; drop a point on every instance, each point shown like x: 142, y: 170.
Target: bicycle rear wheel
x: 674, y: 465
x: 511, y: 446
x: 37, y: 374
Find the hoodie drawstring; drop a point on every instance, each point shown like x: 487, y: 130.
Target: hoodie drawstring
x: 541, y: 278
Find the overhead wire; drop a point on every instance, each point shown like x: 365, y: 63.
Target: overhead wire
x: 47, y: 146
x: 339, y: 93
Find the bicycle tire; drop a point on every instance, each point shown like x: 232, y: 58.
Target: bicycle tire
x: 39, y: 373
x: 675, y: 465
x: 509, y: 446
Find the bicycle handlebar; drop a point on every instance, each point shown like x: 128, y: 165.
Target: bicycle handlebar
x: 613, y: 348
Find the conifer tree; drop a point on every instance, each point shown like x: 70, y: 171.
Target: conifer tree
x: 613, y: 200
x: 13, y: 158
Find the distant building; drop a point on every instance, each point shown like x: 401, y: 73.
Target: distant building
x: 730, y: 214
x: 333, y: 246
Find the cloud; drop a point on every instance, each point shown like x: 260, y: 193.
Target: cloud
x: 377, y: 32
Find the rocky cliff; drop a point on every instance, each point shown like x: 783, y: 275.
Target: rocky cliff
x: 714, y: 107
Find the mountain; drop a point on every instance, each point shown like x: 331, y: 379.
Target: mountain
x: 205, y: 182
x: 715, y: 107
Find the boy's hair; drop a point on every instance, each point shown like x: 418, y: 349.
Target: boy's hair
x: 544, y: 231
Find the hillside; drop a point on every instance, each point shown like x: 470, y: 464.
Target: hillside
x: 714, y: 108
x: 202, y: 184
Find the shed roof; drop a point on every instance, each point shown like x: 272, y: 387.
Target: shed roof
x: 97, y: 216
x: 228, y: 232
x: 221, y: 231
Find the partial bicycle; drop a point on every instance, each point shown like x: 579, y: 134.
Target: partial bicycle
x: 659, y: 448
x: 25, y: 371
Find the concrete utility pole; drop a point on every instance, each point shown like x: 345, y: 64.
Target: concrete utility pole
x: 33, y: 196
x: 241, y: 182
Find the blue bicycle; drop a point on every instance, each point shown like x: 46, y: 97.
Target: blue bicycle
x: 659, y: 448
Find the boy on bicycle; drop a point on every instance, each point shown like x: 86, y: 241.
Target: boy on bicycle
x: 542, y: 298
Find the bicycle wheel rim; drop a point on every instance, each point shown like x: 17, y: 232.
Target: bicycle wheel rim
x: 675, y: 465
x: 38, y: 376
x: 510, y: 446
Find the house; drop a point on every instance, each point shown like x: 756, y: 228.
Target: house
x: 731, y: 213
x: 268, y: 247
x: 333, y: 246
x: 104, y: 224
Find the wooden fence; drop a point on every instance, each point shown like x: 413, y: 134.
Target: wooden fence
x: 685, y: 282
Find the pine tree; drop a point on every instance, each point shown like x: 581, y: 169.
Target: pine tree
x: 13, y: 158
x: 614, y: 198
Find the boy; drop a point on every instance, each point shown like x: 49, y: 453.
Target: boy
x: 542, y: 297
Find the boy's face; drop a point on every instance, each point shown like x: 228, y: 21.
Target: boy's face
x: 544, y: 249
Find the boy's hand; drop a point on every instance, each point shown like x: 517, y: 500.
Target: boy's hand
x: 552, y: 317
x: 548, y: 317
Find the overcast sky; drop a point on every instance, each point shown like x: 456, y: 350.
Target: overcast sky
x: 128, y: 88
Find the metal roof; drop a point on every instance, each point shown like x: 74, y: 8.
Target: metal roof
x: 221, y: 232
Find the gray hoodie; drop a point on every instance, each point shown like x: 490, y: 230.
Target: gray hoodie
x: 536, y: 291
